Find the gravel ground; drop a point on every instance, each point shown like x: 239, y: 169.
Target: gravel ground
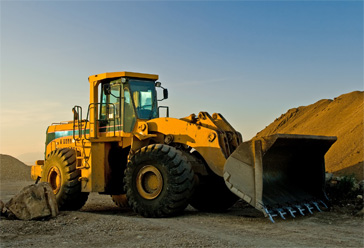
x: 101, y: 223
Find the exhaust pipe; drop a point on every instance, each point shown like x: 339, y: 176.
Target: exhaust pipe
x: 281, y: 174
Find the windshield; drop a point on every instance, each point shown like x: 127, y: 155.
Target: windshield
x: 144, y: 97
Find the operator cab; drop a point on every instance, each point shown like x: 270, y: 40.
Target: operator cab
x: 125, y: 99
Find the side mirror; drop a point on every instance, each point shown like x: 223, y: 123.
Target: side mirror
x: 165, y: 94
x: 165, y: 91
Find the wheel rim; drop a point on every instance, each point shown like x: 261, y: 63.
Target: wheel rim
x: 54, y: 179
x: 149, y: 182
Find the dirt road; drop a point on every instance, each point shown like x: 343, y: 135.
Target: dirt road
x: 101, y: 224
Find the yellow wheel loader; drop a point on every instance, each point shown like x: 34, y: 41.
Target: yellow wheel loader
x: 159, y: 165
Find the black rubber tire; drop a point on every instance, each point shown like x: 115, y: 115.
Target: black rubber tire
x: 212, y: 195
x: 177, y: 176
x: 62, y: 162
x: 120, y: 200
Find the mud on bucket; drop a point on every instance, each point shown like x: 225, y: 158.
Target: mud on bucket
x: 280, y: 174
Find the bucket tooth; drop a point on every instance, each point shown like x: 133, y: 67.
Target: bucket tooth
x: 308, y: 207
x: 281, y: 212
x: 317, y: 206
x: 270, y: 214
x: 300, y: 209
x: 323, y: 204
x: 271, y: 218
x: 291, y: 211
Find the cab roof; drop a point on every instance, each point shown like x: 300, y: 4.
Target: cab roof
x: 106, y: 75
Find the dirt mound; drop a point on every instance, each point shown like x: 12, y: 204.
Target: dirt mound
x: 342, y: 117
x: 13, y: 169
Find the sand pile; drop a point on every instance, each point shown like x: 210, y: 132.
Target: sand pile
x: 342, y: 117
x: 13, y: 169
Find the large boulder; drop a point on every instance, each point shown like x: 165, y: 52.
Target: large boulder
x: 33, y: 202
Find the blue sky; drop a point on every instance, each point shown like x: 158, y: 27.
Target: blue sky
x: 249, y: 60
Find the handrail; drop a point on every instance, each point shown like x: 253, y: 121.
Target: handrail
x: 59, y: 123
x: 88, y: 112
x: 166, y: 107
x: 77, y: 114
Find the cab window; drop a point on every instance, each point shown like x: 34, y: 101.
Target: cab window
x: 129, y: 113
x: 144, y: 97
x: 110, y: 103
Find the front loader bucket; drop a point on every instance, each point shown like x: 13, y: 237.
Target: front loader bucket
x: 281, y: 174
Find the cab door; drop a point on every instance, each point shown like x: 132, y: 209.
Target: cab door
x: 129, y: 118
x: 110, y: 111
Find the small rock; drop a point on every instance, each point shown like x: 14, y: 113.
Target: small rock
x: 35, y: 201
x: 328, y: 177
x: 359, y: 196
x: 338, y: 179
x: 356, y: 186
x: 361, y: 184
